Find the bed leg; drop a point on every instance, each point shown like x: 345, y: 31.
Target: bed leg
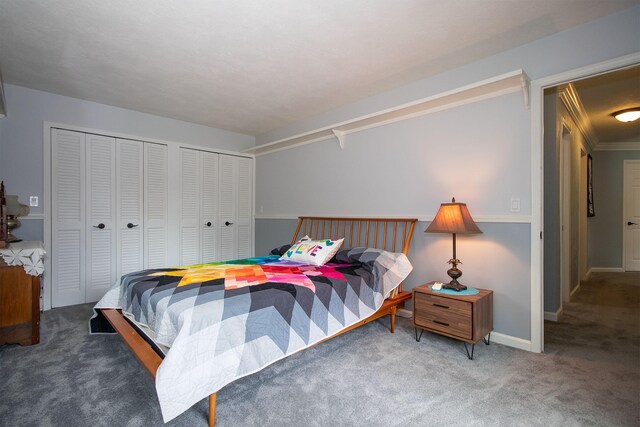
x: 392, y: 316
x: 212, y: 409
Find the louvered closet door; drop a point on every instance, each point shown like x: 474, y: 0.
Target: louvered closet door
x: 209, y: 194
x: 236, y: 207
x: 129, y: 160
x: 228, y: 207
x: 189, y: 206
x: 100, y: 215
x: 244, y: 212
x: 68, y: 217
x: 156, y: 186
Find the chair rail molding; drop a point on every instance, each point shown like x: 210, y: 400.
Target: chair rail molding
x: 503, y: 84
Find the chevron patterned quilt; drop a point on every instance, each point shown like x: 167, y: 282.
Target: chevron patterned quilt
x: 223, y: 321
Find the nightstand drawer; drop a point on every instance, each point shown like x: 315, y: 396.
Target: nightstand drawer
x: 443, y: 314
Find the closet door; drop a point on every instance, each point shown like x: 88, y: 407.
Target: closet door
x: 189, y: 207
x: 209, y: 194
x: 236, y: 207
x: 228, y: 207
x: 100, y: 215
x: 156, y: 186
x: 244, y: 212
x: 68, y: 260
x: 129, y: 159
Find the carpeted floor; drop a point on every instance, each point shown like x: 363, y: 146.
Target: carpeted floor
x: 589, y: 375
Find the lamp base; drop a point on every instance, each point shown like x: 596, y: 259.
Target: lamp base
x: 455, y: 274
x: 455, y: 286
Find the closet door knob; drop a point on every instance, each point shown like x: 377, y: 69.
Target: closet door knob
x: 208, y: 224
x: 131, y: 225
x: 100, y: 226
x: 228, y: 223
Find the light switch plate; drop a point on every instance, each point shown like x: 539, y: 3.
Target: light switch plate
x: 515, y: 204
x: 33, y: 200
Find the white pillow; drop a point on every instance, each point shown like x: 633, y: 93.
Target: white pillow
x: 309, y: 251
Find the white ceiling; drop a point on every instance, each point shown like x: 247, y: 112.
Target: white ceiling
x: 252, y: 66
x: 603, y: 95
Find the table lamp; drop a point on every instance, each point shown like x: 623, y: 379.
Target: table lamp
x: 453, y: 218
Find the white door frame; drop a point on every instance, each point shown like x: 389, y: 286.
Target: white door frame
x: 565, y: 212
x: 625, y: 235
x: 537, y: 176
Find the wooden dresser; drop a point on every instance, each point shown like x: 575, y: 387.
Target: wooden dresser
x: 19, y: 306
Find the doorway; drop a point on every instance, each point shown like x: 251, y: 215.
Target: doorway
x: 540, y: 221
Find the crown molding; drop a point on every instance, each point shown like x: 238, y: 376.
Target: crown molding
x: 569, y: 97
x: 618, y: 146
x: 515, y: 81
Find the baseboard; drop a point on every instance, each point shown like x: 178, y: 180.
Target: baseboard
x: 605, y: 270
x: 574, y: 291
x: 403, y: 312
x: 554, y: 317
x: 508, y: 340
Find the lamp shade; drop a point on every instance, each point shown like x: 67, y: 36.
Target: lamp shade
x: 454, y: 218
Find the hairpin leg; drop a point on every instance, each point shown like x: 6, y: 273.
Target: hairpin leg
x: 418, y: 337
x: 470, y: 356
x: 487, y: 339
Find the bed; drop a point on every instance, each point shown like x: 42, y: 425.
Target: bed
x: 198, y: 328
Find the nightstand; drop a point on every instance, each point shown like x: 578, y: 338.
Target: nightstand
x: 468, y: 318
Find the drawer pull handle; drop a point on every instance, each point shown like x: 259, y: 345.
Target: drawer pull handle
x: 440, y: 305
x: 440, y: 323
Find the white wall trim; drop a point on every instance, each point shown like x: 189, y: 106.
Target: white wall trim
x: 32, y: 216
x: 618, y: 146
x: 554, y: 317
x: 574, y: 290
x: 510, y: 219
x: 403, y: 312
x: 537, y: 177
x: 605, y: 270
x: 572, y: 103
x: 511, y: 341
x: 503, y: 84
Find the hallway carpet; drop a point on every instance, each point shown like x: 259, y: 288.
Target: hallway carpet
x: 589, y: 375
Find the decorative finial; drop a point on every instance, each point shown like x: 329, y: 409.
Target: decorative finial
x: 453, y: 200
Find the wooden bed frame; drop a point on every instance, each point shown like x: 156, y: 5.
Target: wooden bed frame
x: 388, y: 234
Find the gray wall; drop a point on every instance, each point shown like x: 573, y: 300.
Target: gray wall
x: 480, y: 153
x: 606, y: 228
x: 21, y: 138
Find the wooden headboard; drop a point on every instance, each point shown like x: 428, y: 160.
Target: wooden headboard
x: 389, y: 234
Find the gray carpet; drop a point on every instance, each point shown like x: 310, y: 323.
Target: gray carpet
x: 589, y: 375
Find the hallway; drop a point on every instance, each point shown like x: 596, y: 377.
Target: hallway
x: 600, y: 329
x: 602, y: 323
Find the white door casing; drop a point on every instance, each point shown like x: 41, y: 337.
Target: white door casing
x: 631, y: 214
